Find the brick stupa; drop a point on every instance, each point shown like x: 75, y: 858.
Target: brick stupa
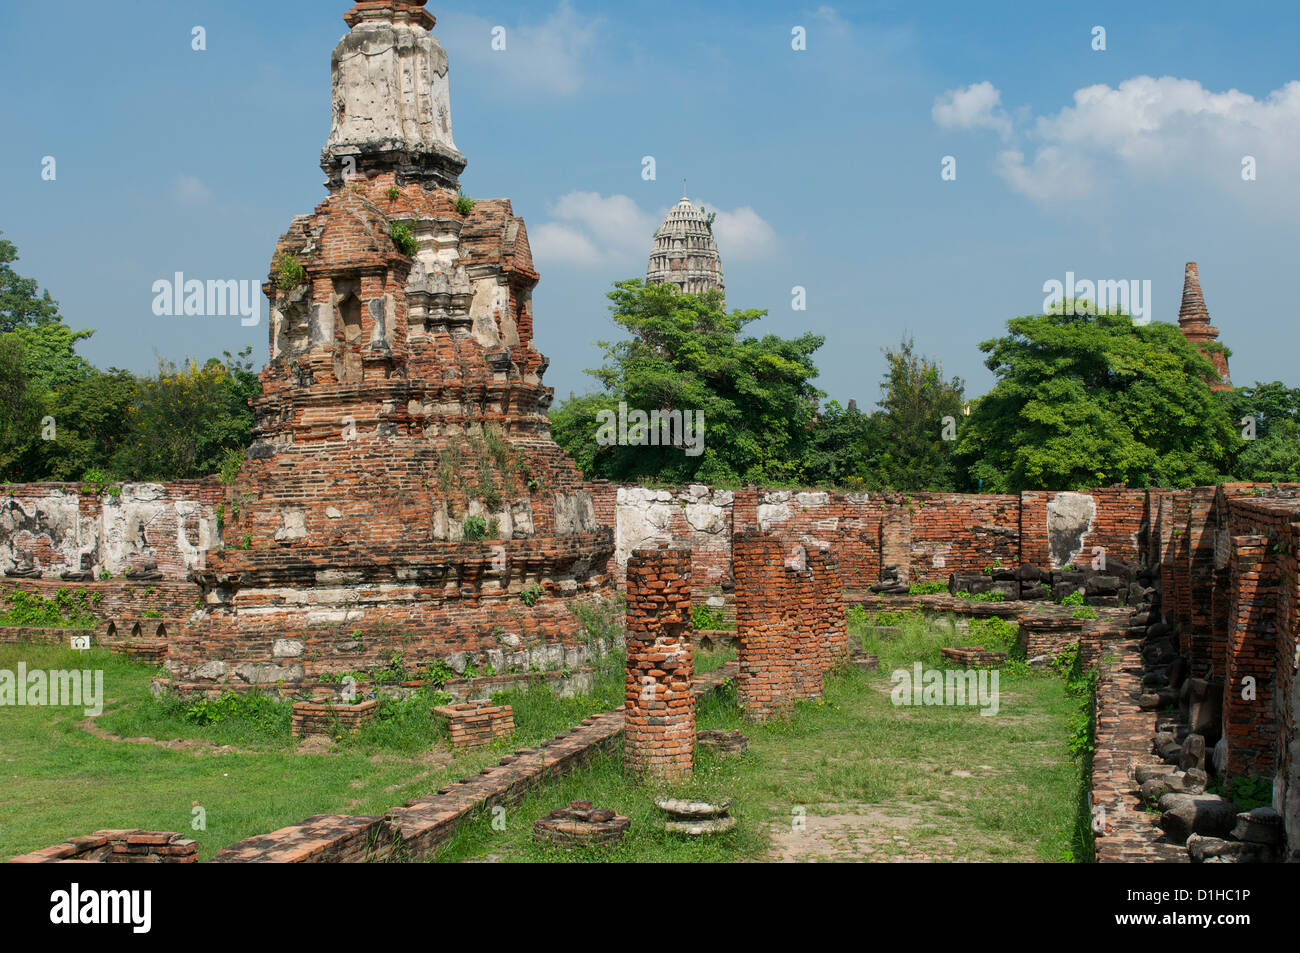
x: 403, y: 493
x: 1194, y: 320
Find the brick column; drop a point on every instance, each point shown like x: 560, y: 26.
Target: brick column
x: 1249, y: 723
x: 896, y: 540
x: 804, y: 630
x: 764, y: 685
x: 833, y: 624
x: 659, y: 733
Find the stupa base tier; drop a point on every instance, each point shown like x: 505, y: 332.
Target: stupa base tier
x: 287, y: 647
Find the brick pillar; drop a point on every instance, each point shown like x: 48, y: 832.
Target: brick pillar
x: 803, y: 630
x: 833, y: 624
x: 896, y: 540
x: 1249, y: 723
x: 764, y: 685
x: 1221, y: 621
x: 659, y: 733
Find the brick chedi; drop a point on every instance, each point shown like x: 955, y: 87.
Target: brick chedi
x: 403, y: 488
x: 1194, y: 320
x: 659, y: 732
x: 685, y: 253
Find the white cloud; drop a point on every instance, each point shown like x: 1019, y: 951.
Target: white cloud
x: 742, y: 235
x: 592, y: 230
x: 545, y: 58
x: 978, y: 106
x: 1146, y: 130
x: 188, y: 190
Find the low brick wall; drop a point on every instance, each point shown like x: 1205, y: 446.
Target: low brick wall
x: 323, y: 839
x: 317, y: 718
x: 117, y: 847
x: 973, y: 656
x: 1124, y: 832
x: 475, y: 724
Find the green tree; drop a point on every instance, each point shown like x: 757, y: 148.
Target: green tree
x: 686, y: 353
x: 1086, y: 400
x: 840, y: 447
x: 21, y: 402
x: 182, y: 422
x: 910, y: 450
x: 22, y: 304
x: 1273, y: 456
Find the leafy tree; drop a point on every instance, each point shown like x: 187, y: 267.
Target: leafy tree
x: 183, y: 421
x: 22, y: 304
x: 1086, y: 400
x: 910, y: 450
x: 1274, y: 454
x: 686, y: 353
x: 21, y: 406
x: 840, y: 447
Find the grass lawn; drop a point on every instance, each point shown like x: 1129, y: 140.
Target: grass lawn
x: 854, y: 777
x: 851, y: 777
x: 244, y: 770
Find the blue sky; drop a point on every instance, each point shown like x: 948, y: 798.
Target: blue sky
x: 824, y: 164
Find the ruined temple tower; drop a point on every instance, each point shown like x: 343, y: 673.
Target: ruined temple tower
x: 685, y: 253
x: 403, y: 495
x: 1194, y: 320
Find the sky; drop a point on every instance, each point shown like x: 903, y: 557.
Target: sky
x: 1178, y: 141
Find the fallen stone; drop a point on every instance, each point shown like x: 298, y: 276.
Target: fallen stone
x: 716, y: 825
x: 692, y: 810
x: 1187, y: 814
x: 1208, y: 850
x: 1263, y: 825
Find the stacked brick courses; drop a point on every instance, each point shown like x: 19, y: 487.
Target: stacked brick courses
x: 118, y: 847
x: 765, y: 683
x: 1249, y: 722
x: 476, y: 724
x: 659, y: 733
x: 322, y: 718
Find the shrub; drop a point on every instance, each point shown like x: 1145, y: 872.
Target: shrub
x: 464, y: 204
x: 1085, y: 613
x: 476, y: 528
x: 404, y: 239
x: 289, y: 272
x: 706, y: 617
x: 1075, y: 598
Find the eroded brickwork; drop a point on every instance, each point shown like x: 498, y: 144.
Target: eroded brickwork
x: 659, y: 732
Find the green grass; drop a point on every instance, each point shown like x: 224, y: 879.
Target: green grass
x: 871, y: 778
x: 250, y: 777
x: 853, y: 758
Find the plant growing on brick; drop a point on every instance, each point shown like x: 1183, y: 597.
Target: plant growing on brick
x: 530, y: 595
x: 289, y: 272
x: 393, y: 193
x: 464, y: 204
x: 404, y: 239
x: 475, y: 528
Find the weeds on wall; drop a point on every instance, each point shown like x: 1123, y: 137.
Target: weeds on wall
x: 69, y: 609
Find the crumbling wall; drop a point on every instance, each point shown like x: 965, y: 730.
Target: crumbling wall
x: 54, y: 530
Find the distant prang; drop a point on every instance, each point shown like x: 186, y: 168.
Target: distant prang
x: 685, y: 252
x: 1194, y: 320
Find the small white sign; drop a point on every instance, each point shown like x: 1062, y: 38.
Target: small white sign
x: 80, y: 643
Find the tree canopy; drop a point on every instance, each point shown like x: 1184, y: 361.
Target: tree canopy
x: 1085, y: 400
